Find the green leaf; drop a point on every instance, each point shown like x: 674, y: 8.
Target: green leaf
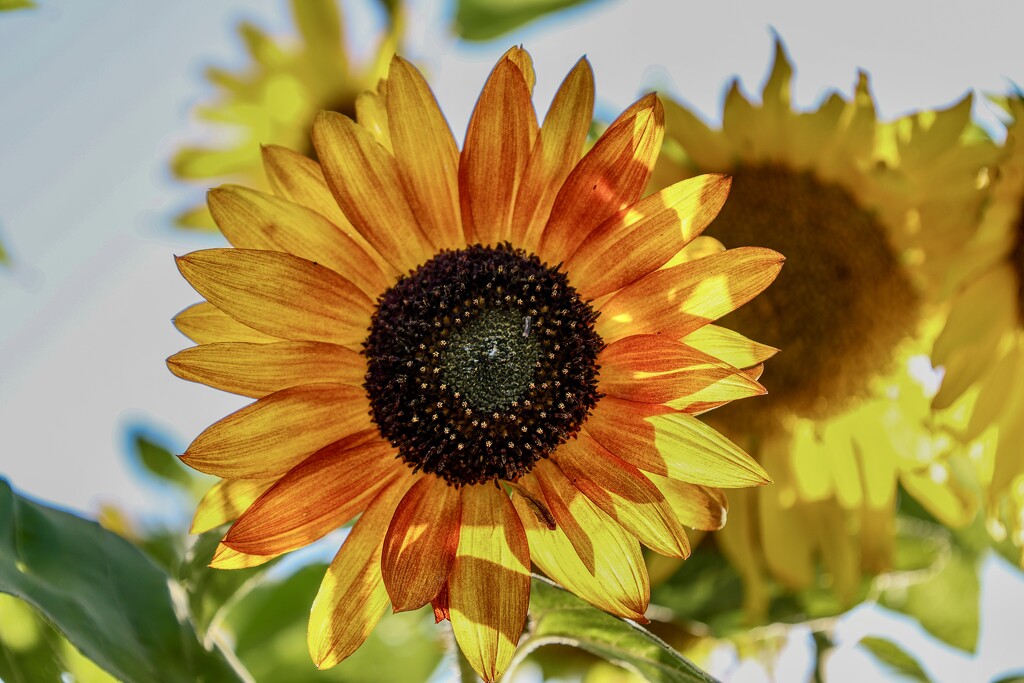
x: 103, y: 594
x: 486, y: 19
x: 160, y: 462
x: 559, y: 617
x: 16, y: 4
x: 954, y: 621
x: 894, y: 658
x: 270, y: 635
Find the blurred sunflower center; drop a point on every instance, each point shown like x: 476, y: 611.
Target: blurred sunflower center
x: 481, y: 362
x: 838, y: 308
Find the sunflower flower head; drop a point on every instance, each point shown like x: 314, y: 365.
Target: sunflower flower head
x: 276, y: 97
x: 493, y: 356
x: 869, y: 216
x: 981, y: 347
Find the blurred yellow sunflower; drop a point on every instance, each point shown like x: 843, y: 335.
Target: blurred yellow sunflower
x: 416, y: 361
x: 275, y: 99
x: 867, y: 216
x: 981, y: 347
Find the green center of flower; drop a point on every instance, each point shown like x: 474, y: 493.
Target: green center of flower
x: 481, y: 362
x: 837, y: 310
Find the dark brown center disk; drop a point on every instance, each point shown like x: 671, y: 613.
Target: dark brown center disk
x: 838, y: 308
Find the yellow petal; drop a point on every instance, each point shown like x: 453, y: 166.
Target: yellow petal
x: 272, y: 435
x: 225, y: 501
x: 227, y: 558
x: 317, y: 496
x: 256, y: 370
x: 372, y: 114
x: 352, y: 598
x: 255, y: 220
x: 558, y: 148
x: 729, y: 346
x: 280, y: 294
x: 204, y: 323
x: 427, y: 156
x: 696, y: 506
x: 788, y: 549
x: 608, y: 570
x: 420, y: 545
x: 365, y: 180
x: 489, y: 586
x: 678, y: 300
x: 624, y: 493
x: 500, y: 136
x: 642, y: 238
x: 610, y: 177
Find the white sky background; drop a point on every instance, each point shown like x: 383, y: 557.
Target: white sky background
x: 95, y: 97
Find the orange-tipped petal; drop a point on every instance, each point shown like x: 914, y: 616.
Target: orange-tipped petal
x: 225, y: 501
x: 652, y: 369
x: 643, y: 237
x: 624, y: 493
x: 696, y: 506
x: 352, y: 598
x: 272, y: 435
x: 317, y: 496
x: 420, y: 544
x: 228, y: 558
x: 280, y: 294
x: 204, y: 323
x: 365, y: 180
x: 427, y: 156
x: 678, y: 300
x: 556, y: 152
x: 255, y: 220
x: 256, y: 370
x: 610, y: 177
x: 587, y: 551
x: 500, y: 136
x: 489, y: 585
x: 672, y: 444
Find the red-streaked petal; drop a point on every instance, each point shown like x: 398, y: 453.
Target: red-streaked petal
x: 352, y: 598
x: 204, y: 323
x: 587, y: 551
x: 643, y: 237
x: 255, y: 220
x: 500, y: 136
x: 678, y: 300
x: 427, y: 156
x: 610, y: 177
x: 256, y: 370
x: 365, y: 180
x: 555, y: 153
x: 225, y: 501
x: 489, y: 585
x: 652, y: 369
x: 317, y: 496
x: 267, y: 438
x: 280, y: 294
x: 420, y: 545
x: 624, y: 493
x: 672, y: 444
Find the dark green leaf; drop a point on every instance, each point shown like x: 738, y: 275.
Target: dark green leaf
x: 894, y: 658
x: 486, y: 19
x: 104, y: 594
x: 270, y: 632
x: 559, y: 617
x: 160, y: 462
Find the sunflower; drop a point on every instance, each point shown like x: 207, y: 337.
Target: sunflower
x: 417, y: 362
x: 868, y: 215
x: 275, y: 99
x: 981, y: 347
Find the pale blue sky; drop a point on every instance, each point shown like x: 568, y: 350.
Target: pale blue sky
x: 95, y: 96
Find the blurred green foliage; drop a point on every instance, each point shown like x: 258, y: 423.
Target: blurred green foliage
x: 486, y: 19
x: 894, y: 658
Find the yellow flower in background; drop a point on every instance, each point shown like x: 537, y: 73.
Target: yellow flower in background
x: 417, y: 362
x: 868, y: 216
x: 275, y: 99
x: 981, y: 347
